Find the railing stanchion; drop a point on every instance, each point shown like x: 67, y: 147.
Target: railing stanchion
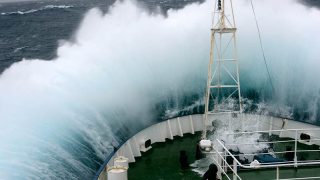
x: 220, y: 162
x: 225, y: 166
x: 270, y: 126
x: 234, y: 170
x: 278, y: 174
x: 295, y: 148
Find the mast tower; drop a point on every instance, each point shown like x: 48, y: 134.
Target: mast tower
x: 223, y: 85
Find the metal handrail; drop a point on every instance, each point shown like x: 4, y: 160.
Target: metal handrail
x: 276, y: 130
x: 301, y: 178
x: 276, y: 165
x: 232, y: 169
x: 277, y: 152
x: 221, y: 167
x: 266, y: 166
x: 270, y: 142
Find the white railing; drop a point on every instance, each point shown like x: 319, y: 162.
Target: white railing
x: 222, y: 152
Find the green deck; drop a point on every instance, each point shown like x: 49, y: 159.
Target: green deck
x: 269, y: 174
x: 162, y: 163
x: 162, y: 160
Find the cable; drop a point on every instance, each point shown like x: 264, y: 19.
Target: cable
x: 263, y: 54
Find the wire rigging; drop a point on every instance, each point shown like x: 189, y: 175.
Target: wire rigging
x: 261, y: 46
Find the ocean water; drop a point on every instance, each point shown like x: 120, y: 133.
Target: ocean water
x: 80, y: 77
x: 33, y: 29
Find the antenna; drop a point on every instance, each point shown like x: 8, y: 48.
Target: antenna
x: 223, y: 85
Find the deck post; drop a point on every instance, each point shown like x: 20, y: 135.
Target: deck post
x: 295, y: 148
x: 278, y: 174
x: 234, y: 169
x: 225, y: 167
x: 270, y: 125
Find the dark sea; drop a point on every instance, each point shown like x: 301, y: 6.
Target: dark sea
x: 64, y: 107
x: 32, y: 30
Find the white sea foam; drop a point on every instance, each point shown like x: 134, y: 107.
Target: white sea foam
x: 40, y: 9
x: 19, y: 49
x: 173, y: 112
x: 242, y: 143
x: 262, y: 108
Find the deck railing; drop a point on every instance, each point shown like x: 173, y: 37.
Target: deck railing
x: 221, y: 151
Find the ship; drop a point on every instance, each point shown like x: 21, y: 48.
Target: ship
x: 240, y: 145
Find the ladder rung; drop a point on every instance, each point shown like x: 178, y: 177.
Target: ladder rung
x: 224, y: 30
x: 222, y: 60
x: 224, y: 86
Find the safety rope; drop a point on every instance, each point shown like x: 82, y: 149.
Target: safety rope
x: 261, y: 46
